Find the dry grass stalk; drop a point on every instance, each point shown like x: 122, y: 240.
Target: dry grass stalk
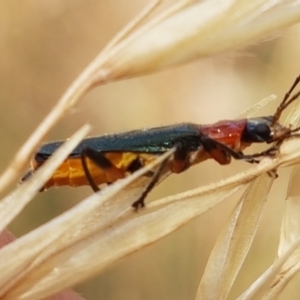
x: 65, y: 251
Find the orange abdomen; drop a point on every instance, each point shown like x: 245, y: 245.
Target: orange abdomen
x: 71, y: 172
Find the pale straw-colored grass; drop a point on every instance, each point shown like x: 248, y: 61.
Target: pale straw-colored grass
x: 103, y: 228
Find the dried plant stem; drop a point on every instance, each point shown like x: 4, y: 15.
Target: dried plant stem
x: 258, y: 289
x: 70, y: 98
x: 90, y: 77
x: 11, y: 205
x: 132, y: 25
x: 234, y: 242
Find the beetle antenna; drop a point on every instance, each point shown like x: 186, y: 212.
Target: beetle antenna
x: 287, y: 100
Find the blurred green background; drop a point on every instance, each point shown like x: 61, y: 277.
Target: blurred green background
x: 44, y: 47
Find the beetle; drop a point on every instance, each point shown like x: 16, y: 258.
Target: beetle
x: 105, y: 159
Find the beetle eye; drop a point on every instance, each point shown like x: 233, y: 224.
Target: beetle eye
x: 257, y: 131
x: 263, y: 130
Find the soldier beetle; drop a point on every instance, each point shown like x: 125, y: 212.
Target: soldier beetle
x: 105, y: 159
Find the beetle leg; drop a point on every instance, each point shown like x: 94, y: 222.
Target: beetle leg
x: 180, y: 160
x: 102, y: 162
x: 140, y: 202
x: 271, y: 152
x: 27, y: 176
x: 179, y: 164
x: 222, y: 153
